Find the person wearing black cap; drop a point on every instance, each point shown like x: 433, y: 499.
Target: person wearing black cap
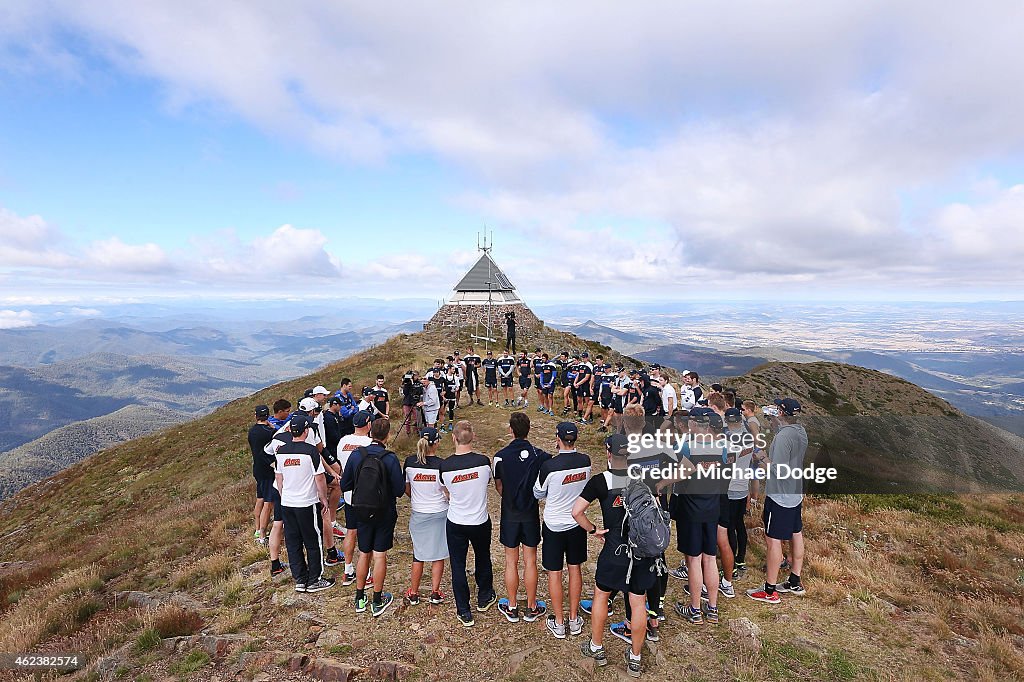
x: 260, y: 434
x: 695, y: 509
x: 560, y: 481
x: 608, y: 489
x: 490, y: 366
x: 515, y: 469
x: 466, y: 476
x: 783, y: 502
x: 375, y: 535
x: 429, y: 512
x: 300, y: 478
x: 346, y: 446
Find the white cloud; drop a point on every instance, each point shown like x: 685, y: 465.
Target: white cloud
x: 759, y: 143
x: 14, y: 319
x: 29, y: 241
x: 113, y: 254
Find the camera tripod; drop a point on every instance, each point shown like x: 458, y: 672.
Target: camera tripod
x: 405, y: 422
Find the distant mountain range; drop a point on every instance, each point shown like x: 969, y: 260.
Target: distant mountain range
x: 112, y: 378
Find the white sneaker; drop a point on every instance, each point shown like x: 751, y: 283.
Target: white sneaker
x: 576, y: 626
x: 554, y: 628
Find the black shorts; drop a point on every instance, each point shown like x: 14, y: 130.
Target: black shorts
x: 583, y: 391
x: 506, y: 382
x: 610, y: 575
x: 732, y: 512
x: 617, y: 404
x: 780, y: 523
x: 278, y: 510
x: 549, y: 390
x: 694, y: 538
x: 511, y: 534
x: 568, y: 545
x: 351, y: 520
x: 524, y: 382
x: 606, y: 400
x: 376, y: 536
x: 265, y: 489
x: 491, y: 382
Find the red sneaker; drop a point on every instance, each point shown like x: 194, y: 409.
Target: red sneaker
x: 761, y: 595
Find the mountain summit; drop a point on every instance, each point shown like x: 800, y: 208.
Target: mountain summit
x: 141, y: 557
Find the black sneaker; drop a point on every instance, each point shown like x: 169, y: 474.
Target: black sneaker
x: 632, y: 666
x: 511, y: 613
x: 788, y: 588
x: 379, y: 608
x: 348, y: 579
x: 333, y: 559
x: 320, y: 585
x: 466, y: 619
x: 487, y: 602
x: 436, y: 598
x: 739, y: 571
x: 600, y: 656
x: 603, y: 429
x: 703, y: 591
x: 530, y: 615
x: 277, y: 570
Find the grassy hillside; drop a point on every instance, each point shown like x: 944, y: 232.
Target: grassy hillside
x: 898, y: 586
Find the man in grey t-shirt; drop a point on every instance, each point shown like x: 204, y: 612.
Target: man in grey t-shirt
x: 783, y: 502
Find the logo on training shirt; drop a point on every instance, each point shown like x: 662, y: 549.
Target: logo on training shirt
x: 461, y: 478
x: 424, y: 478
x: 292, y: 462
x: 617, y: 502
x: 349, y: 447
x: 574, y: 478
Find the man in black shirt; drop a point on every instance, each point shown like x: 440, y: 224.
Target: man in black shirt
x: 380, y: 398
x: 260, y: 434
x: 473, y: 375
x: 490, y: 365
x: 510, y: 330
x: 612, y: 564
x: 524, y: 366
x: 515, y: 471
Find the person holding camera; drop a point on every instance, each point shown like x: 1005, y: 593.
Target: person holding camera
x: 510, y: 331
x: 412, y: 394
x: 430, y: 403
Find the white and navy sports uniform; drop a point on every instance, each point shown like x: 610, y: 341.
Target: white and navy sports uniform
x: 346, y: 446
x: 546, y: 377
x: 298, y: 464
x: 604, y: 383
x: 429, y: 509
x: 608, y: 487
x: 467, y: 477
x: 506, y: 367
x: 560, y: 481
x: 490, y: 366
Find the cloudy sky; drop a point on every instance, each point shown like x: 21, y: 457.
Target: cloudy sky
x: 867, y: 150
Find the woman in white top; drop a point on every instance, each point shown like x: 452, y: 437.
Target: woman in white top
x: 429, y: 513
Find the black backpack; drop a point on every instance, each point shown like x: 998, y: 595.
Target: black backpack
x: 371, y: 492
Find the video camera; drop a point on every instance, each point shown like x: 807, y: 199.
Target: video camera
x: 411, y: 387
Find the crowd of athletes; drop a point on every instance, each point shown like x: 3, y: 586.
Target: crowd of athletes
x: 325, y: 474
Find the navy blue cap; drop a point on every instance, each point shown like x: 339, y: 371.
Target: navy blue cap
x: 360, y: 419
x: 298, y: 424
x: 617, y: 444
x: 699, y: 415
x: 430, y: 434
x: 788, y: 405
x: 262, y: 412
x: 308, y: 393
x: 584, y: 354
x: 655, y: 366
x: 733, y: 415
x: 335, y: 400
x: 567, y: 431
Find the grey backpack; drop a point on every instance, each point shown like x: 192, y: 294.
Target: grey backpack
x: 645, y: 527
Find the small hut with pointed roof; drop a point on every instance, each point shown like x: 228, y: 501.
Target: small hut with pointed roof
x: 481, y: 298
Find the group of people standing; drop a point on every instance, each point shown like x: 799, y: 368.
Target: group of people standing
x: 304, y: 469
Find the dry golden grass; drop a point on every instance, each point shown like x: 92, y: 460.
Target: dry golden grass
x: 896, y: 589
